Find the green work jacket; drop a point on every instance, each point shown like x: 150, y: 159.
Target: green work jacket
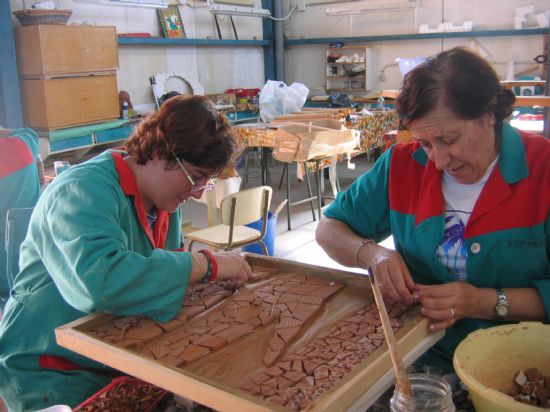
x: 89, y: 249
x: 19, y: 183
x: 507, y: 235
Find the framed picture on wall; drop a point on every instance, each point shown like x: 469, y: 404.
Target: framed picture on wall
x: 171, y: 23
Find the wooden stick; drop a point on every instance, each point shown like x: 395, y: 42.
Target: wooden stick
x: 403, y: 383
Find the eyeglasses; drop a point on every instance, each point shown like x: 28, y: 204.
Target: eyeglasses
x: 196, y: 186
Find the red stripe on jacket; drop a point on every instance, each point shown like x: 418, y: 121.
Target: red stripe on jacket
x: 57, y: 363
x: 415, y: 189
x: 14, y: 155
x: 129, y: 187
x: 521, y: 204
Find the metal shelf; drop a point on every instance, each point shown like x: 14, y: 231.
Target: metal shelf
x: 156, y: 41
x: 346, y: 63
x: 417, y: 36
x: 345, y: 77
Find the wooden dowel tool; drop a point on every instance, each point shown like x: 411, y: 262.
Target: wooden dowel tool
x: 403, y: 383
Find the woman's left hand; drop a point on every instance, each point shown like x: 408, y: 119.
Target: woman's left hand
x: 446, y: 303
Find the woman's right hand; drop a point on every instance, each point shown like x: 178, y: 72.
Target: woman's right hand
x: 396, y: 282
x: 233, y: 270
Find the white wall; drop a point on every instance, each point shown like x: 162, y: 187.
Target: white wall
x: 220, y: 68
x: 216, y: 67
x: 306, y: 64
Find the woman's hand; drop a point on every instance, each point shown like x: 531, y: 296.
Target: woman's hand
x: 395, y: 280
x: 233, y: 270
x: 446, y: 303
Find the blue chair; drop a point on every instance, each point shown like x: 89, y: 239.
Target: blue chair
x: 17, y: 223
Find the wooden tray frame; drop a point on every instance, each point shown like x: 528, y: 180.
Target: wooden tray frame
x: 208, y: 392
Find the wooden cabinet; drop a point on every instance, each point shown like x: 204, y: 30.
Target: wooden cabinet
x: 57, y: 50
x: 347, y: 69
x: 69, y: 101
x: 67, y: 75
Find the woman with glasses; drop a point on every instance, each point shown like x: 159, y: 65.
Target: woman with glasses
x: 106, y: 236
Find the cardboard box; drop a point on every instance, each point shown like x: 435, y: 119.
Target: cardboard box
x: 46, y: 50
x: 71, y: 101
x: 300, y: 142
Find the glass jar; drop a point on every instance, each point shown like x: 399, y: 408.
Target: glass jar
x: 431, y: 394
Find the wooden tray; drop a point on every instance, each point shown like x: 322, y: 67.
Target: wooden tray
x: 216, y: 379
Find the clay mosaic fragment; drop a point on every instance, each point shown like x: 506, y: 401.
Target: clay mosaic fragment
x: 235, y: 332
x: 193, y: 352
x: 313, y: 369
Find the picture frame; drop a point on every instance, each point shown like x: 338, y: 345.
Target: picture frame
x: 171, y: 23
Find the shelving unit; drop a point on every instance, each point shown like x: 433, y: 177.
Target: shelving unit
x: 417, y: 36
x: 347, y: 69
x: 155, y: 41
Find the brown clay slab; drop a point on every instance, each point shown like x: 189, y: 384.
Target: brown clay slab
x: 235, y: 332
x: 172, y: 360
x: 130, y: 343
x: 287, y: 334
x: 146, y: 333
x: 211, y: 300
x: 247, y: 312
x: 257, y: 276
x: 311, y: 300
x: 288, y: 322
x: 305, y: 289
x: 303, y: 311
x: 288, y: 297
x: 214, y: 343
x: 326, y: 291
x: 276, y: 343
x: 192, y: 353
x: 160, y: 351
x: 189, y: 312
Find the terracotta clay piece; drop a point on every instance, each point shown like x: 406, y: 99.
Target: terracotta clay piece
x: 532, y: 388
x: 301, y: 377
x: 289, y: 300
x: 133, y: 332
x: 241, y: 315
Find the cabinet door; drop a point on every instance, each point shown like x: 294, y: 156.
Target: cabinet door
x: 71, y: 101
x: 99, y: 48
x: 51, y: 104
x: 99, y: 98
x: 44, y: 50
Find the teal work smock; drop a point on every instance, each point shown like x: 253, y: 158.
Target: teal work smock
x: 89, y: 248
x: 19, y: 184
x: 507, y: 235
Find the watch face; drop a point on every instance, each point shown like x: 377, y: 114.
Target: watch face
x: 502, y: 310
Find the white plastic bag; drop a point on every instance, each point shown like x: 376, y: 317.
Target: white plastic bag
x: 276, y: 99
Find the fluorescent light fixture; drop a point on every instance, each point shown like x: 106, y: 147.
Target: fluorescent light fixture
x: 369, y: 7
x: 231, y: 10
x: 155, y: 4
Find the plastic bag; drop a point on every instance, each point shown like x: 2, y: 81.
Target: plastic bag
x: 276, y: 99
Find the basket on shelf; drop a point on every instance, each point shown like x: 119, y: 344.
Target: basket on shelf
x: 32, y: 17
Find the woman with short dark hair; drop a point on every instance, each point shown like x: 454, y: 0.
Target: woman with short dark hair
x: 106, y: 236
x: 467, y: 203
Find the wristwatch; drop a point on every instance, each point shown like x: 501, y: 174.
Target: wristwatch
x: 502, y: 308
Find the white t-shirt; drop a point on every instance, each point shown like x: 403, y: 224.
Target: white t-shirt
x: 460, y: 200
